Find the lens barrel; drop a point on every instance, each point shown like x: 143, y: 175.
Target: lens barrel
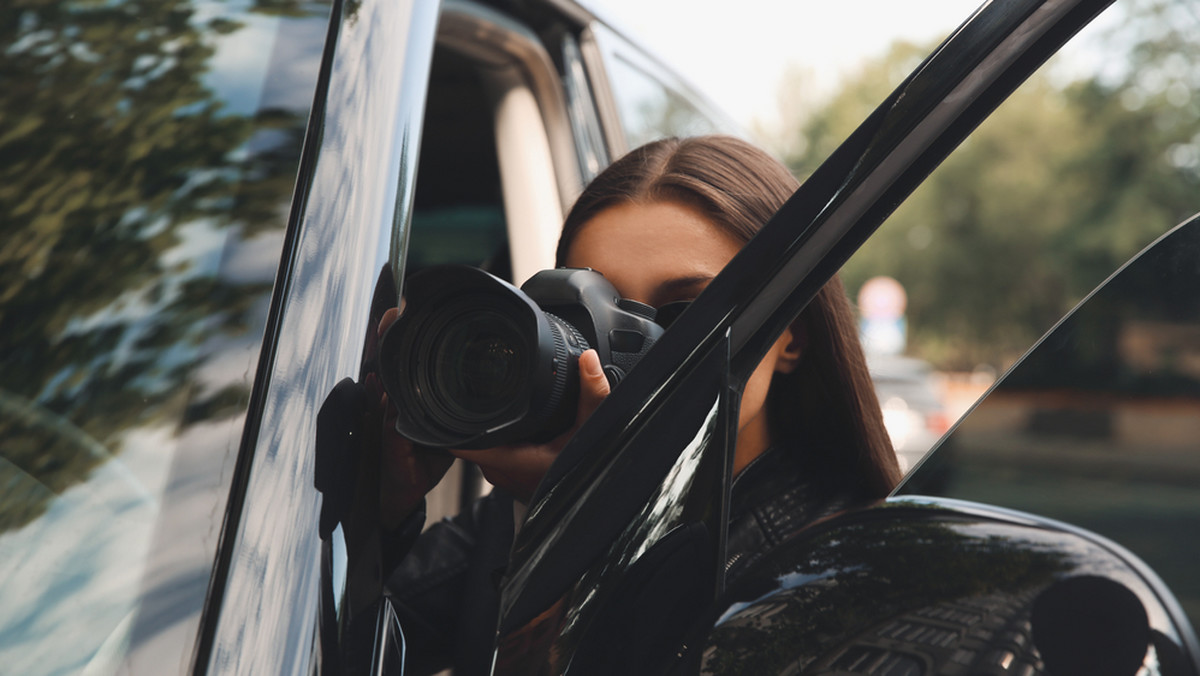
x: 473, y: 362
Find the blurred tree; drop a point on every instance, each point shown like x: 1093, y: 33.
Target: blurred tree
x: 823, y: 127
x: 1068, y: 179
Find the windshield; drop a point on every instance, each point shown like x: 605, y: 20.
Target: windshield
x: 149, y: 151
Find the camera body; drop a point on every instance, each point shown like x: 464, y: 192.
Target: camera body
x: 474, y: 362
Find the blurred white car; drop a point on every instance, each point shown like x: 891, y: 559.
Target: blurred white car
x: 913, y: 410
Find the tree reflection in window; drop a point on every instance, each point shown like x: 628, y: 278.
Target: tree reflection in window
x: 147, y: 156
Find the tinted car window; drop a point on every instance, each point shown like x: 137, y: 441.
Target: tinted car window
x: 650, y: 109
x: 148, y: 156
x: 650, y: 102
x: 458, y: 214
x: 1097, y: 425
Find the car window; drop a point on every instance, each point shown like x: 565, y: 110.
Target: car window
x: 1097, y: 425
x: 649, y: 109
x: 1087, y: 163
x: 649, y: 102
x: 458, y: 211
x: 148, y: 156
x: 1093, y: 159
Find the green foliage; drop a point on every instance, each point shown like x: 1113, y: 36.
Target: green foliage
x: 1067, y: 180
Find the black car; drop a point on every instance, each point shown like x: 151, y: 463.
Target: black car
x: 206, y: 205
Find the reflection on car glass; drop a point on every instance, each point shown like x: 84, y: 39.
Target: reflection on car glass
x: 144, y: 207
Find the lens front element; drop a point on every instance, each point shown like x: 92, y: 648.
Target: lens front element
x: 474, y: 362
x: 479, y: 366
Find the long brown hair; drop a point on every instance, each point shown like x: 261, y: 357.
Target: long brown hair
x: 827, y: 405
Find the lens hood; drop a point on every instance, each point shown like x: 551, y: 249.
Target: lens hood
x: 473, y: 362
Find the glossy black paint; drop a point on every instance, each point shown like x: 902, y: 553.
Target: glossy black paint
x: 921, y: 586
x: 605, y: 476
x: 348, y: 221
x: 678, y: 496
x: 241, y: 473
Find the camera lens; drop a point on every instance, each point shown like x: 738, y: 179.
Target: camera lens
x: 478, y: 366
x: 474, y: 362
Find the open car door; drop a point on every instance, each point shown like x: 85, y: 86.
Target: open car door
x: 1091, y: 426
x: 630, y: 522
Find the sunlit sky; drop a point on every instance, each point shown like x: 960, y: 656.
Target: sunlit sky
x: 737, y: 52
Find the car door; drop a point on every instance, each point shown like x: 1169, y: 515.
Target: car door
x: 1090, y: 427
x: 639, y: 490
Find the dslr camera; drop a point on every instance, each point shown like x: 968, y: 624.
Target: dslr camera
x: 474, y: 362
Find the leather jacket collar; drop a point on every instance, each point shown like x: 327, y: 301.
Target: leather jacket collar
x: 773, y: 498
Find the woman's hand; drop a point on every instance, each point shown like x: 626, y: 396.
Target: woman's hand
x: 518, y: 468
x: 407, y: 472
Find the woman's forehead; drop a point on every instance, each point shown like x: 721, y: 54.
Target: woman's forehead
x: 642, y: 246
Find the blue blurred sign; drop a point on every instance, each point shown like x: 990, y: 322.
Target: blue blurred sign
x: 883, y: 329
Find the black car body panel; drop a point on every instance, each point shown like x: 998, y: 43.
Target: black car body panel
x: 922, y: 586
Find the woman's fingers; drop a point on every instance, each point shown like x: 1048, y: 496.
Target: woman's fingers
x: 593, y: 386
x: 389, y: 317
x: 407, y: 473
x: 519, y: 467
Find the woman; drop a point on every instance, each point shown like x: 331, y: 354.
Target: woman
x: 663, y: 220
x: 660, y: 223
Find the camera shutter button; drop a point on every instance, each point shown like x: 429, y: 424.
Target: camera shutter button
x: 638, y: 308
x: 614, y: 374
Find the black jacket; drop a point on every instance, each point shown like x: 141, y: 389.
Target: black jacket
x: 446, y: 589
